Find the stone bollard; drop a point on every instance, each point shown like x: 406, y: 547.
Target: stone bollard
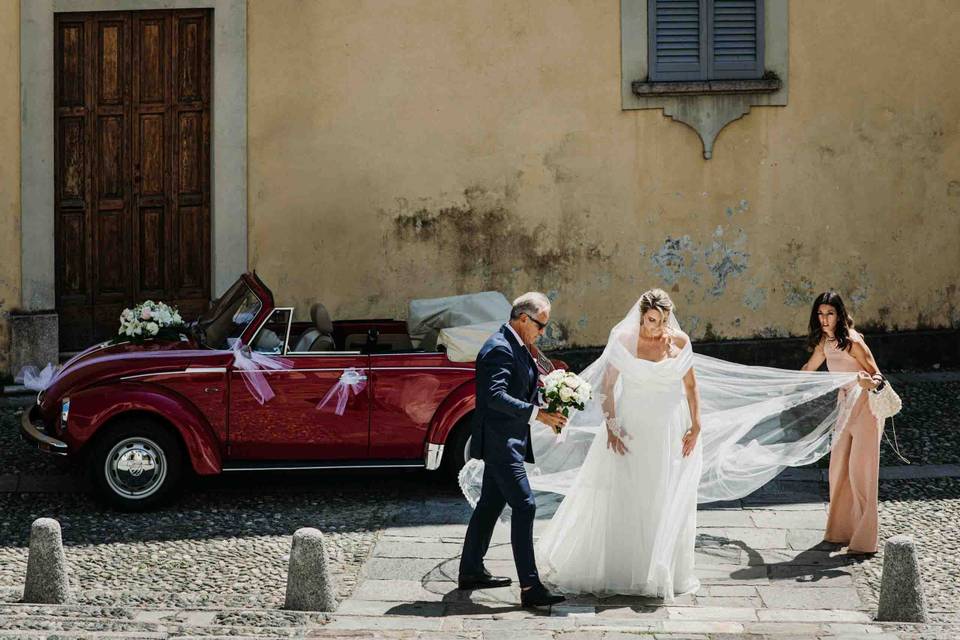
x: 46, y: 565
x: 901, y: 588
x: 309, y: 586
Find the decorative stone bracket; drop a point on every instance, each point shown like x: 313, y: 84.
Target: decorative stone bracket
x: 707, y: 107
x: 708, y: 115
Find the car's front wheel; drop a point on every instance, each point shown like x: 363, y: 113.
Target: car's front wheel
x: 136, y: 464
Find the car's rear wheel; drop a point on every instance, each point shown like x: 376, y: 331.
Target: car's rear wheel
x: 456, y: 453
x: 136, y: 464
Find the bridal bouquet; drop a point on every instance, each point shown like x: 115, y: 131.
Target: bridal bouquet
x: 564, y: 390
x: 150, y: 320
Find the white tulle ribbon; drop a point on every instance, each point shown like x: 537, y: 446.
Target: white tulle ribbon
x: 36, y: 380
x: 251, y: 365
x: 352, y: 381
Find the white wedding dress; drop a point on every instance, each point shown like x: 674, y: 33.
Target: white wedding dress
x: 628, y: 523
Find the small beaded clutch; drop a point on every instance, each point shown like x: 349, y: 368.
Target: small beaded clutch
x: 884, y: 401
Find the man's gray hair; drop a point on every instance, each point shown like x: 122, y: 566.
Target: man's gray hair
x: 532, y: 303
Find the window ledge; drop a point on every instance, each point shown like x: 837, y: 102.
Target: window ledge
x: 706, y: 87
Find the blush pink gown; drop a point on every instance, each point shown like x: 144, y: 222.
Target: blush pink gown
x: 854, y: 466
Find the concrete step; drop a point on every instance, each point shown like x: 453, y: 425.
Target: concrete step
x: 409, y: 621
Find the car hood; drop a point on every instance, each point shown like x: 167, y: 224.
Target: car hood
x: 108, y: 362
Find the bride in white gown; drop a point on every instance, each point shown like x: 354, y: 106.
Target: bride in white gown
x: 631, y: 467
x: 628, y: 524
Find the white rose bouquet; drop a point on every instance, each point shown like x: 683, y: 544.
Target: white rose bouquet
x: 148, y: 320
x: 564, y: 390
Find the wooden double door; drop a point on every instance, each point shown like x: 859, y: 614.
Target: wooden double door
x: 132, y: 168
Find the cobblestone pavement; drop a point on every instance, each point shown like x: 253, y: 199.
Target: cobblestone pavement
x: 928, y: 510
x: 927, y: 426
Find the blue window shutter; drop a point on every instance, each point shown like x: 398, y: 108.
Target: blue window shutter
x: 677, y: 38
x: 735, y: 39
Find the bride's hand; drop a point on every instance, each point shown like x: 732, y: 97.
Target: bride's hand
x: 615, y: 443
x: 690, y: 440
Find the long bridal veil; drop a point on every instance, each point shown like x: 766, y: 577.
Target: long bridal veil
x: 756, y: 421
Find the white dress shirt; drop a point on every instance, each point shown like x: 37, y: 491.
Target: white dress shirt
x: 536, y: 409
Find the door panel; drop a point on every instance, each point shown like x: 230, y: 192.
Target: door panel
x: 290, y: 427
x: 407, y: 389
x: 132, y: 104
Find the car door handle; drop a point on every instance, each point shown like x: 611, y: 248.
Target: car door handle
x: 211, y: 389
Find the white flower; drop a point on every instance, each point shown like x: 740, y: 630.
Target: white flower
x: 566, y: 394
x: 152, y: 328
x: 584, y: 393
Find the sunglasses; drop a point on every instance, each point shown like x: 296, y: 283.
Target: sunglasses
x: 540, y: 325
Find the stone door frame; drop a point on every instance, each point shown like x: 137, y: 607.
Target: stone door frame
x: 228, y: 161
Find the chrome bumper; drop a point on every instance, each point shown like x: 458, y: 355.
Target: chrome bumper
x: 432, y: 456
x: 34, y: 434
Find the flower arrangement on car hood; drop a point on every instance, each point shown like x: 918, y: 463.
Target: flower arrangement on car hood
x: 148, y: 320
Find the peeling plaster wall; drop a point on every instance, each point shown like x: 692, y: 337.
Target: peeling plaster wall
x: 402, y: 150
x: 9, y: 169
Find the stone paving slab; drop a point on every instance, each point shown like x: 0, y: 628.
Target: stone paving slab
x: 415, y: 548
x: 767, y: 519
x: 799, y: 576
x: 785, y: 597
x: 724, y: 518
x: 733, y: 574
x: 386, y: 622
x: 806, y: 557
x: 402, y: 568
x: 707, y: 556
x: 802, y: 539
x: 749, y: 536
x: 734, y: 601
x: 813, y: 615
x: 394, y: 591
x: 738, y: 614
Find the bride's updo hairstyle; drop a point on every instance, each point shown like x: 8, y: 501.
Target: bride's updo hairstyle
x: 656, y: 299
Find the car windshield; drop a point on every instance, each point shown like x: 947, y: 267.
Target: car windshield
x: 230, y: 315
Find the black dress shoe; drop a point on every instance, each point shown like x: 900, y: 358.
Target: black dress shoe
x: 538, y: 596
x: 482, y: 581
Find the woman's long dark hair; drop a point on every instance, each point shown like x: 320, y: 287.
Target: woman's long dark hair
x: 844, y: 321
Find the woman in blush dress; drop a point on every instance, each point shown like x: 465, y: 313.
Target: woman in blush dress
x: 855, y: 456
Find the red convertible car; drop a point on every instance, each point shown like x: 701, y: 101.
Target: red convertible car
x: 141, y: 415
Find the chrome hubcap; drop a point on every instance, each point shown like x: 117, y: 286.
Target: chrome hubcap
x: 136, y: 468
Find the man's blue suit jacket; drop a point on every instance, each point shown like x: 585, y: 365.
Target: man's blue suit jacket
x: 506, y: 392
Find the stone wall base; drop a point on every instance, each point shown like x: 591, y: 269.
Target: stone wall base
x: 34, y: 339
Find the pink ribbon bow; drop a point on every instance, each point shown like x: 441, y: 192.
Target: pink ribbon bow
x: 251, y: 365
x: 352, y: 381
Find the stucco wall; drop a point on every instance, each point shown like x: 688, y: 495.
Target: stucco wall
x: 9, y: 168
x: 405, y: 149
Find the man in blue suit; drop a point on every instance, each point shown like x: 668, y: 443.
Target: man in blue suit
x: 506, y: 407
